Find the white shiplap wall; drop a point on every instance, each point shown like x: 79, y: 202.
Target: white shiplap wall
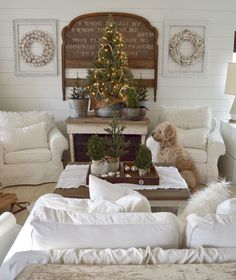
x: 37, y: 93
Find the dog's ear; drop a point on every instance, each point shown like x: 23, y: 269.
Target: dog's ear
x: 169, y: 132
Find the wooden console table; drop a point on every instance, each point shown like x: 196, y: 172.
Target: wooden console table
x: 94, y: 125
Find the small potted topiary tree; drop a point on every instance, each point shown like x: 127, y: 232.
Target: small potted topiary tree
x: 115, y: 145
x: 143, y: 160
x: 96, y: 152
x: 133, y: 109
x: 78, y: 100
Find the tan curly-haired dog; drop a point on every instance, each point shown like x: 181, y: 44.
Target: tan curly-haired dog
x: 173, y: 153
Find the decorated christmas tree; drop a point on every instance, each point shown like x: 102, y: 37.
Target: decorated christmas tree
x: 110, y: 76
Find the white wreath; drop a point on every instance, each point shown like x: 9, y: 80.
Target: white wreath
x: 194, y: 39
x: 25, y: 48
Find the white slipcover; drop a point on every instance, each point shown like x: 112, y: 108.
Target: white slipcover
x: 73, y: 229
x: 211, y: 230
x: 31, y: 165
x: 8, y: 232
x: 196, y: 119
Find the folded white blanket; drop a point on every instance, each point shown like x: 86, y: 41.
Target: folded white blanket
x: 75, y: 175
x: 10, y: 269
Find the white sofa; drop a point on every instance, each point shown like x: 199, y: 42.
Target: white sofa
x: 199, y: 134
x: 8, y: 233
x: 31, y: 148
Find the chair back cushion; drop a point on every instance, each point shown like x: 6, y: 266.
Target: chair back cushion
x: 22, y: 119
x: 187, y: 117
x: 29, y: 137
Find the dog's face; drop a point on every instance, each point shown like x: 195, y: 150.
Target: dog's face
x: 165, y: 134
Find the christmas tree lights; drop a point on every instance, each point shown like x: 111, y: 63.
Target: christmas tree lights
x: 110, y: 76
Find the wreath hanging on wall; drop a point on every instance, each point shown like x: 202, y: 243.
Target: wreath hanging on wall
x: 194, y: 39
x: 36, y: 37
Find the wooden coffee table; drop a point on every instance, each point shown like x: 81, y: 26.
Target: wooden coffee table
x: 164, y: 198
x: 158, y: 197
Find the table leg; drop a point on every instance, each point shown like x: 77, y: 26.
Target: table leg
x: 72, y: 147
x: 143, y: 139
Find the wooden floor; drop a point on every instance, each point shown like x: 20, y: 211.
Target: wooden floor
x: 28, y: 193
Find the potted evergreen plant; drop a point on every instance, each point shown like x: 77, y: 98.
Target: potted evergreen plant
x: 133, y: 109
x: 143, y: 160
x: 115, y: 145
x: 78, y: 100
x: 96, y: 152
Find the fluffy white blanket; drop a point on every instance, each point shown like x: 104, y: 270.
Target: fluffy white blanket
x: 20, y: 260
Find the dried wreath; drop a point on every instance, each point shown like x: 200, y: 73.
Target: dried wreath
x: 194, y: 39
x: 25, y: 48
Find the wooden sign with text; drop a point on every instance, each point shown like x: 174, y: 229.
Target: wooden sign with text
x: 80, y: 42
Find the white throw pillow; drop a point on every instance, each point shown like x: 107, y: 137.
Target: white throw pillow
x: 187, y: 117
x: 28, y: 137
x: 72, y: 229
x: 59, y: 202
x: 130, y: 200
x: 227, y: 207
x: 193, y: 138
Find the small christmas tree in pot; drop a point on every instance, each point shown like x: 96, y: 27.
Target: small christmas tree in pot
x: 133, y: 109
x: 78, y: 100
x: 110, y: 75
x: 115, y: 145
x: 143, y: 160
x: 96, y: 152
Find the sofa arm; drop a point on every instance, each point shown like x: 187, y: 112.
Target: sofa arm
x: 57, y: 144
x: 215, y: 148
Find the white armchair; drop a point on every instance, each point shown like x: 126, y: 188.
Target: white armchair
x: 199, y: 134
x: 31, y: 148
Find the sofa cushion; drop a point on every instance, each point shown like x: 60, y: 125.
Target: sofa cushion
x: 211, y: 230
x: 22, y: 119
x: 28, y: 137
x: 197, y: 155
x: 227, y: 207
x: 193, y: 138
x: 28, y: 155
x: 72, y: 229
x: 187, y: 117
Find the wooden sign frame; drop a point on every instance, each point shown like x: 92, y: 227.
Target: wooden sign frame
x: 80, y: 41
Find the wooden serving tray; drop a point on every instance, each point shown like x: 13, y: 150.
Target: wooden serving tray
x: 151, y: 178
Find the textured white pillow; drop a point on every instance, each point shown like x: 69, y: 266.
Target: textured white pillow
x: 211, y: 230
x: 72, y: 229
x: 129, y: 200
x: 193, y: 138
x: 187, y: 117
x: 28, y: 137
x: 227, y: 207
